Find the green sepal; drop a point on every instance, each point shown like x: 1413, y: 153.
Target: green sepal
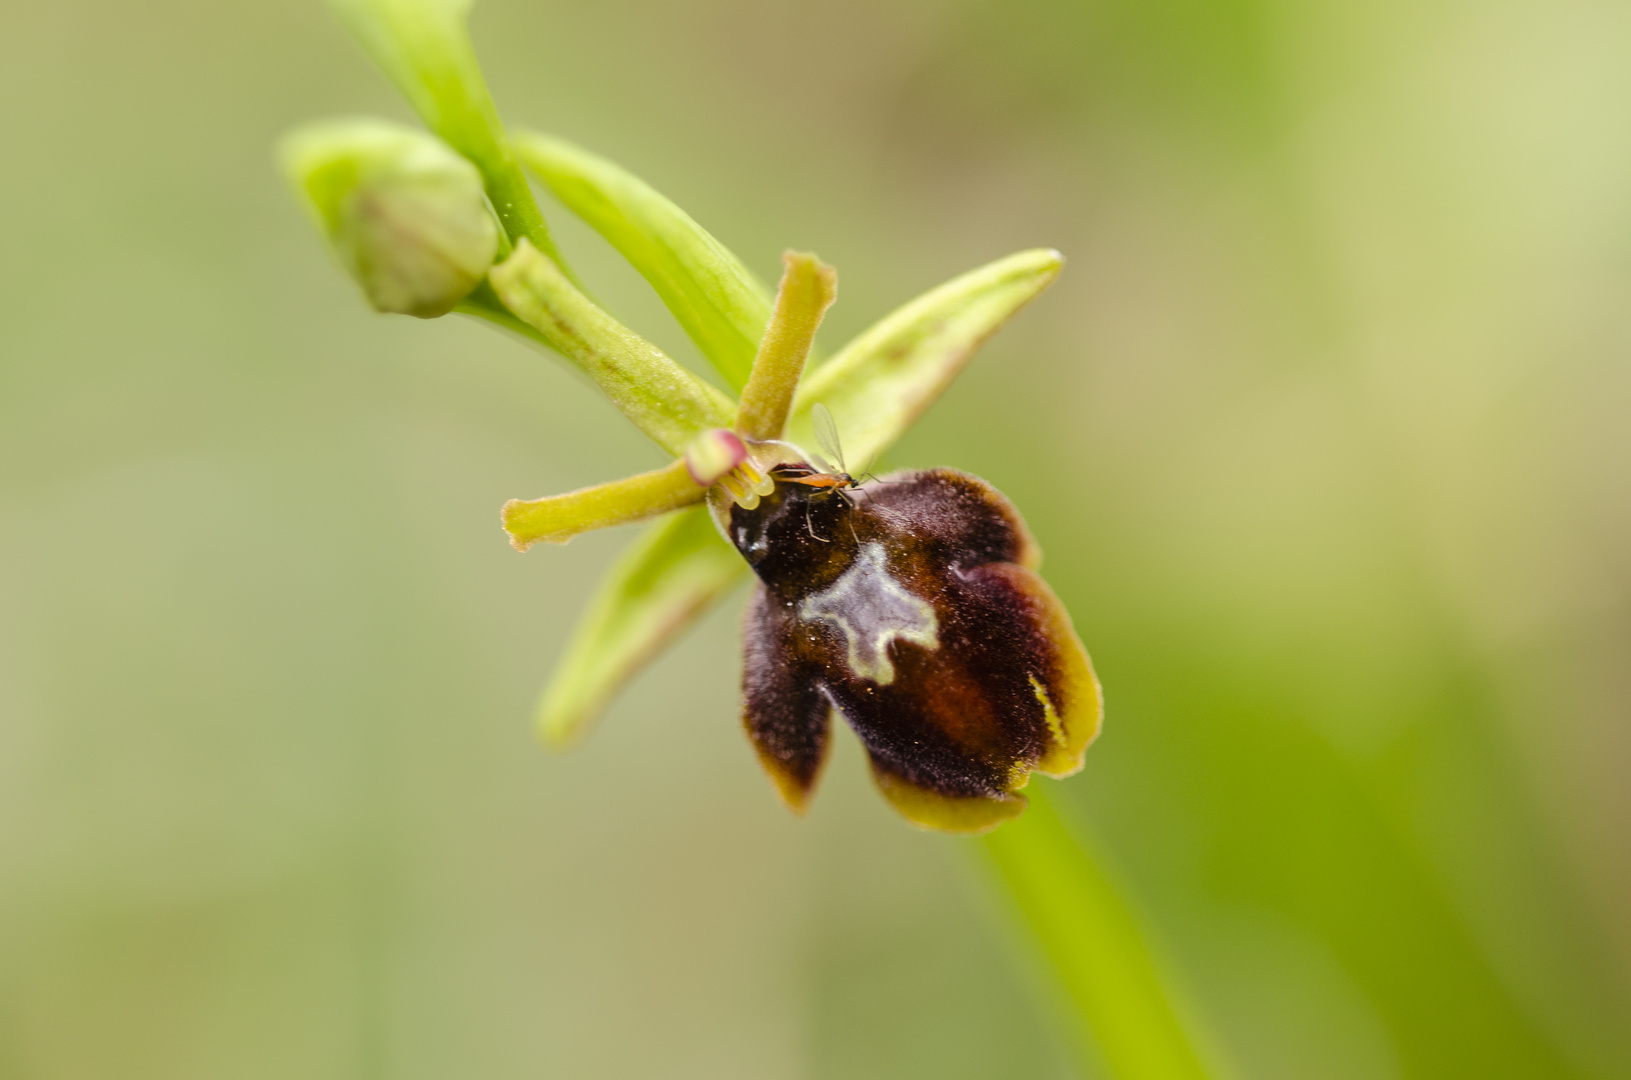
x: 882, y: 381
x: 660, y: 586
x: 719, y: 302
x: 666, y: 401
x: 423, y: 46
x: 556, y: 519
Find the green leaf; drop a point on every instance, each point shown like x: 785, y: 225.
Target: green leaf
x: 882, y: 381
x: 808, y: 288
x: 664, y: 400
x: 1131, y: 1018
x: 720, y: 303
x: 671, y: 575
x: 558, y: 518
x: 424, y: 48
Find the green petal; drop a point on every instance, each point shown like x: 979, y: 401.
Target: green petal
x: 808, y: 288
x: 719, y: 302
x: 424, y: 48
x: 663, y: 399
x: 673, y: 573
x: 558, y: 518
x: 882, y: 381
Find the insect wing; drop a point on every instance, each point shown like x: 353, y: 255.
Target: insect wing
x: 826, y: 433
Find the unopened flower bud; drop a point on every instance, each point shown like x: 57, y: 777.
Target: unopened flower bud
x: 405, y: 214
x: 713, y: 455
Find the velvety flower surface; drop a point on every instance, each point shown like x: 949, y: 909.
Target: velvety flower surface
x: 910, y: 606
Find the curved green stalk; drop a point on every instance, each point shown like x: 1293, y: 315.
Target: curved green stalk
x: 424, y: 48
x: 664, y: 400
x: 719, y: 302
x: 1130, y: 1021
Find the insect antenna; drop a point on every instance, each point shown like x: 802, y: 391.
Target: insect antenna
x: 868, y: 474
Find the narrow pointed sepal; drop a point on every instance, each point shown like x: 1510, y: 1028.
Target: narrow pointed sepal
x: 912, y: 607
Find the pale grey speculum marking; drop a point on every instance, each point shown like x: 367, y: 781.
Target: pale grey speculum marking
x: 872, y: 609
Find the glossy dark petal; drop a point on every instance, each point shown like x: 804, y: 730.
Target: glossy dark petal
x: 912, y: 606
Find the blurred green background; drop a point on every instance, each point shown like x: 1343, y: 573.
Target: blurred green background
x: 1324, y: 430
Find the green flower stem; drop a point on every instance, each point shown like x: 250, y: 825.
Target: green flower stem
x: 1092, y: 940
x: 808, y: 288
x: 559, y: 518
x: 674, y: 572
x: 721, y: 304
x: 882, y: 381
x: 664, y: 400
x: 485, y: 305
x: 423, y: 46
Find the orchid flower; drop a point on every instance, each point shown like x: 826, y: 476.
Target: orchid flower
x: 933, y: 636
x: 909, y: 605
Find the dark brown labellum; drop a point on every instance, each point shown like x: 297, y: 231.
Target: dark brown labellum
x: 911, y: 606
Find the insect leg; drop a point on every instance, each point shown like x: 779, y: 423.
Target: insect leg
x: 811, y: 527
x: 850, y: 517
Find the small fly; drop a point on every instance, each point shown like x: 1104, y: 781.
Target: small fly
x: 827, y: 473
x: 824, y: 473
